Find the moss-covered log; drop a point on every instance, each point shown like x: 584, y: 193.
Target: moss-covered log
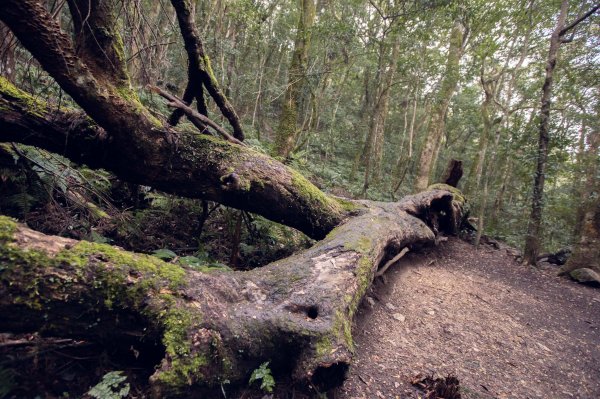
x: 136, y: 145
x: 216, y: 325
x: 195, y: 166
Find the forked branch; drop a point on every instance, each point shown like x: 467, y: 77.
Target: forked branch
x: 199, y: 120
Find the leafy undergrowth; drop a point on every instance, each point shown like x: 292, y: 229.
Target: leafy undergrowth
x: 32, y: 366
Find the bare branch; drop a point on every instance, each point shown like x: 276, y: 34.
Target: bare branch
x: 579, y: 20
x: 199, y: 120
x: 200, y: 71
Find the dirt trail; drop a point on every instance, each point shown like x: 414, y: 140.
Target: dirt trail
x: 504, y: 330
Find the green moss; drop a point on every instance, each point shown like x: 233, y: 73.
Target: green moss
x: 137, y: 281
x: 308, y: 190
x: 185, y: 365
x: 361, y: 245
x: 119, y: 48
x: 347, y: 205
x: 324, y: 346
x: 205, y: 62
x: 7, y: 229
x: 125, y: 92
x: 30, y: 104
x: 456, y: 193
x: 343, y: 327
x: 363, y: 277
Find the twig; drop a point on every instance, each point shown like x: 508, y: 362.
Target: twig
x: 391, y: 262
x: 199, y: 120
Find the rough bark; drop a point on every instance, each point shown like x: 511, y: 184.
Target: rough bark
x: 453, y: 173
x: 96, y: 39
x: 7, y: 53
x: 586, y: 253
x: 532, y: 244
x: 198, y: 166
x: 437, y: 124
x: 216, y: 325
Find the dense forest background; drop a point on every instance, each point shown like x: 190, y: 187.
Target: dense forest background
x: 367, y: 98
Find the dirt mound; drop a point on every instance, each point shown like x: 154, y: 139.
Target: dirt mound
x: 504, y: 330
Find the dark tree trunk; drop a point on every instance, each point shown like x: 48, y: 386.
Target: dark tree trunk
x: 453, y: 173
x: 287, y: 132
x: 532, y: 240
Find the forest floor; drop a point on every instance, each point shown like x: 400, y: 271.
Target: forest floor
x: 504, y: 330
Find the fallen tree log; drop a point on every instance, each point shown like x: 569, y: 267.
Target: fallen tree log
x: 216, y: 325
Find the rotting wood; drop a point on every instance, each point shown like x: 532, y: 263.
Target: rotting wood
x: 296, y: 312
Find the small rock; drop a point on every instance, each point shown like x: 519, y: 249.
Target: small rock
x: 431, y: 312
x: 370, y: 301
x: 398, y: 316
x: 585, y: 275
x: 390, y: 306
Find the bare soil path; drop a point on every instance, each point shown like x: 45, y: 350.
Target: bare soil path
x: 506, y: 331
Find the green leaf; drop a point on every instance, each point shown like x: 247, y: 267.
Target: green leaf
x: 112, y: 386
x: 164, y: 254
x: 263, y: 374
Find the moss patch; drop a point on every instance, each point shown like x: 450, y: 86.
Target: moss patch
x: 185, y: 365
x: 29, y: 103
x: 457, y: 195
x: 113, y: 277
x: 308, y: 190
x: 7, y: 229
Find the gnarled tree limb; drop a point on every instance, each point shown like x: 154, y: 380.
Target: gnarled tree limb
x: 199, y: 166
x: 199, y: 120
x: 200, y: 72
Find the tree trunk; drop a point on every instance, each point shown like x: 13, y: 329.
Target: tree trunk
x: 373, y: 151
x: 579, y: 187
x: 436, y: 124
x: 532, y: 240
x: 288, y: 121
x: 7, y: 53
x: 587, y: 249
x: 453, y: 173
x: 216, y: 325
x: 490, y: 88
